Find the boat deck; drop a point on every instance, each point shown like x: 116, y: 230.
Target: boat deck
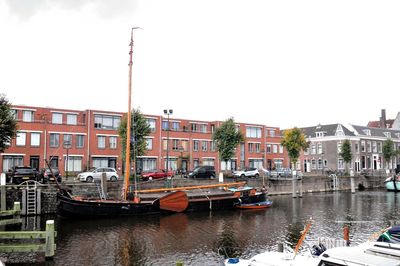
x: 192, y: 194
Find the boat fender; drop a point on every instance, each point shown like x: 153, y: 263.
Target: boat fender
x: 233, y: 260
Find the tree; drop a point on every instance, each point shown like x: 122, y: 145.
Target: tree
x: 345, y: 153
x: 227, y: 138
x: 8, y: 124
x: 139, y: 130
x: 294, y: 141
x: 388, y: 150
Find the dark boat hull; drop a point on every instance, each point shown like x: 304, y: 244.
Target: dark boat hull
x: 212, y: 203
x: 71, y: 207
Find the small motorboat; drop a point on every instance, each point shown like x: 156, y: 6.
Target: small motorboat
x: 255, y: 205
x: 393, y: 183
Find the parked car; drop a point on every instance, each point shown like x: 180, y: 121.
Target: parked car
x: 96, y: 173
x: 247, y: 172
x: 281, y: 172
x: 156, y: 174
x: 205, y: 171
x: 19, y: 174
x: 46, y: 176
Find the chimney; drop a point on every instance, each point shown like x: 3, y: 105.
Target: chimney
x: 383, y: 119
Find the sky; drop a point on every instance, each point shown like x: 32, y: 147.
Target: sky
x: 276, y: 63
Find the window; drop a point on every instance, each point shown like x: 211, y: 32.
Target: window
x: 387, y: 134
x: 107, y: 122
x: 54, y: 140
x: 356, y: 148
x: 256, y: 163
x: 380, y: 147
x: 313, y: 149
x: 253, y: 132
x: 203, y: 128
x: 339, y: 147
x: 251, y: 147
x: 195, y: 163
x: 275, y: 148
x: 149, y: 144
x: 313, y: 164
x: 212, y: 146
x: 272, y: 132
x: 319, y: 148
x: 67, y: 140
x: 11, y: 161
x: 57, y: 118
x: 213, y: 128
x: 175, y: 126
x: 340, y: 164
x: 374, y: 147
x: 175, y: 144
x: 280, y: 149
x: 79, y: 141
x: 27, y: 116
x: 268, y: 148
x: 367, y: 132
x: 101, y: 142
x: 204, y: 145
x: 257, y: 147
x: 165, y: 144
x: 363, y: 146
x: 100, y: 162
x: 307, y: 151
x: 72, y: 119
x: 164, y: 125
x: 194, y: 127
x: 21, y: 139
x: 14, y: 113
x: 74, y: 164
x: 208, y: 161
x: 320, y: 164
x: 397, y: 135
x: 152, y: 124
x: 369, y: 146
x: 319, y: 134
x: 184, y: 144
x: 113, y: 142
x: 35, y: 139
x: 195, y: 145
x: 148, y: 164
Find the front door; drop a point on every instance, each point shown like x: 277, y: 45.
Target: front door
x: 184, y: 166
x: 34, y: 162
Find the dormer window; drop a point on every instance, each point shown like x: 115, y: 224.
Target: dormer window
x: 397, y: 135
x: 319, y: 134
x: 387, y: 134
x: 367, y: 132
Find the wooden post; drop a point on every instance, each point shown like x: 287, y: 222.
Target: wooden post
x: 104, y: 183
x: 3, y: 198
x: 24, y: 202
x: 50, y: 245
x: 17, y: 206
x: 38, y: 201
x: 300, y: 187
x: 294, y: 187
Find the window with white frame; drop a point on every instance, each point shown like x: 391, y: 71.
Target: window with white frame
x: 54, y: 140
x: 212, y: 146
x: 57, y: 118
x: 9, y: 161
x: 109, y: 122
x: 149, y: 164
x: 194, y: 127
x: 313, y: 149
x: 275, y: 148
x: 195, y: 145
x: 280, y: 148
x: 203, y: 128
x: 175, y: 144
x: 164, y: 125
x: 209, y: 161
x: 184, y: 144
x: 204, y: 145
x: 74, y: 164
x: 363, y: 146
x: 253, y: 132
x: 251, y: 147
x: 374, y: 147
x: 387, y: 134
x: 67, y: 140
x: 340, y: 164
x: 272, y: 133
x: 21, y: 139
x: 152, y: 124
x: 27, y: 116
x: 72, y: 119
x: 397, y: 135
x: 14, y: 113
x: 165, y: 144
x: 320, y: 165
x: 175, y: 126
x: 369, y: 146
x: 35, y: 139
x: 257, y: 147
x: 379, y: 146
x: 339, y: 147
x: 100, y: 162
x: 113, y: 142
x: 268, y: 148
x: 101, y: 142
x: 307, y: 151
x: 256, y: 163
x: 319, y: 134
x: 356, y: 148
x: 149, y: 144
x: 313, y: 164
x: 319, y: 148
x: 367, y: 132
x: 79, y: 141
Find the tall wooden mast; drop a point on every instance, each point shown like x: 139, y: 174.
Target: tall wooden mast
x: 128, y: 124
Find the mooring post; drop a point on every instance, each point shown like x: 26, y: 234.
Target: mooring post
x: 104, y: 183
x: 352, y: 185
x: 280, y: 247
x: 3, y: 192
x: 24, y: 202
x: 294, y: 186
x: 50, y: 246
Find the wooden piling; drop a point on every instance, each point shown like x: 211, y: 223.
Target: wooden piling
x: 3, y: 198
x: 50, y: 235
x: 352, y: 185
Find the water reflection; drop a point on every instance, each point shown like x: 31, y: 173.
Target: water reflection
x: 199, y: 238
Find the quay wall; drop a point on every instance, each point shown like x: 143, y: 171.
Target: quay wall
x: 310, y: 184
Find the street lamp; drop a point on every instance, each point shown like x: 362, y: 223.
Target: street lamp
x: 167, y: 112
x: 67, y: 145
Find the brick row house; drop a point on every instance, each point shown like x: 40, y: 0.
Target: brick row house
x: 366, y: 147
x: 90, y: 138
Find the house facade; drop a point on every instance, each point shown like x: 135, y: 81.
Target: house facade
x: 76, y: 140
x: 326, y: 141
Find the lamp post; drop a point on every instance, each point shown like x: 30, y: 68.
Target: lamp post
x: 67, y: 145
x: 167, y: 112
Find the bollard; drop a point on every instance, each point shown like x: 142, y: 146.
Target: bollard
x: 280, y: 247
x: 300, y: 180
x: 353, y: 189
x: 294, y: 193
x: 50, y: 245
x: 3, y: 198
x: 346, y: 235
x: 103, y: 181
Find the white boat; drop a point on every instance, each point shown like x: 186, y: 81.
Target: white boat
x: 369, y: 253
x: 392, y: 183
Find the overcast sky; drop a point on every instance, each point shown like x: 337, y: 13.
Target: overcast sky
x: 278, y: 63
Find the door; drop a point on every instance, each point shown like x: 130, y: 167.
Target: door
x: 112, y: 162
x: 34, y: 162
x: 184, y: 166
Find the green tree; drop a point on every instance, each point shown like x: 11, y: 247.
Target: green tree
x: 294, y: 141
x: 388, y: 150
x: 345, y: 153
x: 139, y: 130
x: 227, y: 138
x: 8, y: 124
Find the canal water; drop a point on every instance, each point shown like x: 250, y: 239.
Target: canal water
x: 203, y: 238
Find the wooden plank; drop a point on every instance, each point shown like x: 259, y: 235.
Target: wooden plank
x: 23, y: 248
x: 193, y: 187
x: 22, y: 234
x: 11, y: 221
x: 9, y: 213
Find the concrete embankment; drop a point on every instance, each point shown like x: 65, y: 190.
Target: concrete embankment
x: 310, y: 184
